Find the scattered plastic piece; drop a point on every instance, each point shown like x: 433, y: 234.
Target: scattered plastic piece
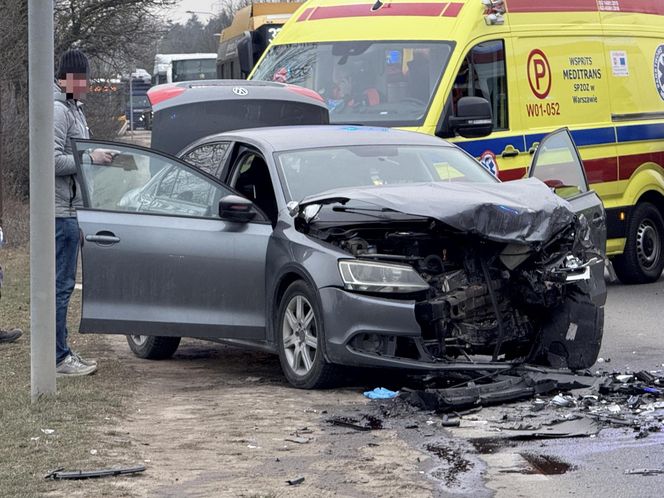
x: 87, y: 474
x: 298, y: 440
x: 538, y: 405
x: 381, y: 393
x: 644, y: 472
x: 582, y: 427
x: 296, y: 481
x: 450, y: 422
x: 563, y: 401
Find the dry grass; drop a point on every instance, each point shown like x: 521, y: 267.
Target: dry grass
x: 16, y: 221
x: 82, y: 415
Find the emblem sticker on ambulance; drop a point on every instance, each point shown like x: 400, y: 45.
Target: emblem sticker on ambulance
x: 488, y: 160
x: 659, y: 70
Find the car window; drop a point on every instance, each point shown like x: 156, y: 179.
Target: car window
x: 251, y: 178
x: 207, y: 157
x: 142, y: 181
x: 557, y: 164
x: 312, y: 171
x: 483, y: 74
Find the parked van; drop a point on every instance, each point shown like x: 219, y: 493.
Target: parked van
x: 173, y: 68
x: 495, y: 77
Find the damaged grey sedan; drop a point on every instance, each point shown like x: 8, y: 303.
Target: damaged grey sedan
x: 339, y: 246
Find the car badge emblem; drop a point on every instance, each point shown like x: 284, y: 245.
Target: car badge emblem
x: 241, y: 91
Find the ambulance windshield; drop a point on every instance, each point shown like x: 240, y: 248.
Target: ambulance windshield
x: 363, y: 82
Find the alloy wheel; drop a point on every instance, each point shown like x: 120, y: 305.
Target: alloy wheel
x: 300, y: 335
x: 139, y: 340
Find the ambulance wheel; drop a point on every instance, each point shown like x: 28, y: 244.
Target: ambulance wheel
x: 643, y: 258
x: 151, y: 347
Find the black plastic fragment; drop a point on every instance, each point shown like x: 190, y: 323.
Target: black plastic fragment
x: 296, y: 481
x: 87, y: 474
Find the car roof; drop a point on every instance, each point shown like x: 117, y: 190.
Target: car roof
x: 281, y: 138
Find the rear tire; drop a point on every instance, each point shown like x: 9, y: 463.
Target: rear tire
x: 153, y: 347
x: 301, y: 339
x: 643, y: 258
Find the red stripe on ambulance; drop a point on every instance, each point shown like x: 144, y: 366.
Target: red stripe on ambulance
x: 629, y: 164
x: 421, y: 9
x: 305, y: 15
x: 523, y: 6
x: 601, y: 170
x: 453, y: 10
x: 641, y: 6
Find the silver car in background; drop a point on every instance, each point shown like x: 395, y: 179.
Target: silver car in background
x: 342, y: 246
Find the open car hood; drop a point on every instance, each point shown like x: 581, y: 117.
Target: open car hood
x: 522, y: 211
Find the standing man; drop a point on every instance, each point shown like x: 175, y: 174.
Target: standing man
x: 7, y: 335
x: 69, y: 122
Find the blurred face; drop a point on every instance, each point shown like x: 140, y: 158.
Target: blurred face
x: 75, y: 85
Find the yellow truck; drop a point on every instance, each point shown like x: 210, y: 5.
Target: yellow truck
x: 253, y: 28
x: 495, y: 77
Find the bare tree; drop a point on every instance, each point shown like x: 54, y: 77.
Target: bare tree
x: 13, y: 98
x: 113, y: 33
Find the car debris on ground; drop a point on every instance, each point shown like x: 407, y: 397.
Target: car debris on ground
x: 540, y: 403
x: 381, y: 393
x: 87, y: 474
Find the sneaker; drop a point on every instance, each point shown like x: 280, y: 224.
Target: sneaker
x: 84, y: 361
x: 71, y: 367
x: 10, y: 335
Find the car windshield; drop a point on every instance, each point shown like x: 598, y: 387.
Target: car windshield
x: 312, y: 171
x: 140, y: 101
x: 376, y: 83
x: 194, y: 69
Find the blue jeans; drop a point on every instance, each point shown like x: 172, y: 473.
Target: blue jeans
x: 66, y: 255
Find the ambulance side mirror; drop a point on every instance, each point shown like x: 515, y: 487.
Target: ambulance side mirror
x: 473, y: 118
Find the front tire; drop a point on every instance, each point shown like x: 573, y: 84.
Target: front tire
x: 642, y: 261
x: 301, y: 339
x: 153, y: 347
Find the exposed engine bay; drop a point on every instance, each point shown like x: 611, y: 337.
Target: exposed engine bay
x: 487, y: 301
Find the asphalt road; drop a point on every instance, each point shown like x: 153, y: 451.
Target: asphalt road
x: 633, y: 340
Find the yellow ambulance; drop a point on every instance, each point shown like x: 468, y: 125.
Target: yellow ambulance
x: 595, y: 66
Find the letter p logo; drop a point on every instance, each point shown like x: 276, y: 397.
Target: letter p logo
x: 539, y: 74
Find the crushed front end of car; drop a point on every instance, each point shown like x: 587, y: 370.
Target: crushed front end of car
x: 494, y: 275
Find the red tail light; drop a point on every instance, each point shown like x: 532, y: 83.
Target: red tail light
x: 160, y: 93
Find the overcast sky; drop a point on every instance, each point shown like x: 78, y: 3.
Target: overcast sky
x: 178, y: 13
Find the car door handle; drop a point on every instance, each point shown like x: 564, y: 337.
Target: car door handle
x: 510, y: 151
x: 104, y: 238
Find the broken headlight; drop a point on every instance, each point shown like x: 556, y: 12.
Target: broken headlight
x: 370, y: 276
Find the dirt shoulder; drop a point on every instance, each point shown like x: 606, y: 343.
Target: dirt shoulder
x: 216, y: 421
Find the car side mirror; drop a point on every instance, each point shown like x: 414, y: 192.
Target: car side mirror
x: 237, y: 209
x: 245, y: 53
x: 473, y: 117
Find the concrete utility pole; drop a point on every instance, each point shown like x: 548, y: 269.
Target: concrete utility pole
x: 42, y: 198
